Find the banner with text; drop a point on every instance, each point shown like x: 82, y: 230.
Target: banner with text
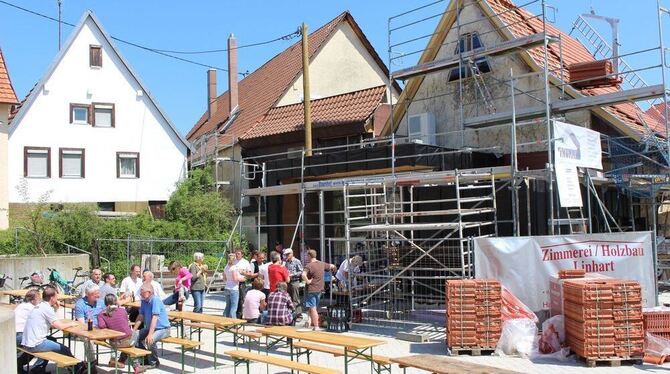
x: 525, y: 264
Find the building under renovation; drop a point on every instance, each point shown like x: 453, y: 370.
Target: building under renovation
x: 469, y: 151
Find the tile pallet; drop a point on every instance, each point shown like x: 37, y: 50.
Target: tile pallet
x: 474, y: 323
x: 603, y: 320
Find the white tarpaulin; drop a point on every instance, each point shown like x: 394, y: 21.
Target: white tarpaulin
x: 578, y: 146
x: 525, y: 264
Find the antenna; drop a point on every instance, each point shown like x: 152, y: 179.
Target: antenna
x: 60, y: 3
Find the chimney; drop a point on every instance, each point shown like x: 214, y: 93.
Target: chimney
x: 232, y: 73
x: 211, y: 93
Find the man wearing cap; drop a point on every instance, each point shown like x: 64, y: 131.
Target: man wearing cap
x: 295, y: 272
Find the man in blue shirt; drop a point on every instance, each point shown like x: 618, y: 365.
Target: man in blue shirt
x: 87, y: 308
x: 156, y: 323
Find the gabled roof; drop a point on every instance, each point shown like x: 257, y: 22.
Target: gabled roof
x: 260, y: 91
x: 7, y: 93
x: 88, y: 15
x: 514, y: 22
x: 348, y: 108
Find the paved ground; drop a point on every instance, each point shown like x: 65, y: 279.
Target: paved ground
x: 394, y: 348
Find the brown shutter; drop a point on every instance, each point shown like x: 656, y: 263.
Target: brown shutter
x: 25, y: 162
x: 118, y: 168
x: 48, y: 162
x: 113, y: 115
x: 95, y: 56
x: 60, y: 162
x: 71, y: 114
x: 83, y: 163
x: 137, y: 165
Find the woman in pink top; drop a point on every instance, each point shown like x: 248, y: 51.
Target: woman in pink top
x: 181, y: 287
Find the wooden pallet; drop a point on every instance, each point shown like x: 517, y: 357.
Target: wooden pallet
x: 610, y: 361
x: 472, y: 351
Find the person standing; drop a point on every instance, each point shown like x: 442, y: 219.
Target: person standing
x: 38, y: 325
x: 244, y: 268
x: 22, y: 311
x: 95, y: 278
x: 294, y: 267
x: 313, y: 277
x: 198, y: 271
x: 263, y: 273
x: 156, y: 323
x: 108, y: 287
x: 231, y: 292
x: 350, y: 265
x: 182, y: 285
x: 277, y: 272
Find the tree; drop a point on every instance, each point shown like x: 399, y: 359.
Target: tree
x: 198, y: 205
x: 36, y: 217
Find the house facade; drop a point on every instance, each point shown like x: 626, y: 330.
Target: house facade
x: 90, y: 132
x: 262, y: 114
x: 7, y: 102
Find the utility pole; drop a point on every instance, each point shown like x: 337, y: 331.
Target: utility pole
x: 307, y: 104
x: 60, y: 3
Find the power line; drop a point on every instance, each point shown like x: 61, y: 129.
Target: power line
x: 163, y: 52
x: 284, y: 37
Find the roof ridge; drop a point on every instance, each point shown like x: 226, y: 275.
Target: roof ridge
x: 331, y: 97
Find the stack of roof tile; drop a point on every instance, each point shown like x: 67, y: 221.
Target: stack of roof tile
x: 473, y: 313
x: 603, y: 318
x: 571, y: 273
x: 657, y: 322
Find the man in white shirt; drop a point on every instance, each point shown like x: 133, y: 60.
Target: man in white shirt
x: 148, y: 277
x: 263, y: 273
x: 131, y: 284
x: 352, y: 265
x: 244, y: 267
x: 22, y: 311
x: 39, y: 322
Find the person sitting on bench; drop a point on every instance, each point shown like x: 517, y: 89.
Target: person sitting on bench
x: 280, y: 306
x: 156, y: 326
x: 39, y: 322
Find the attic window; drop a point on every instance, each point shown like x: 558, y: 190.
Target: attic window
x: 95, y: 56
x: 103, y: 115
x: 466, y: 43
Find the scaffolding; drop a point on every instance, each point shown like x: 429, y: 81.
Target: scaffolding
x: 413, y: 225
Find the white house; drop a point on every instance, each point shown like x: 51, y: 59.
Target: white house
x: 90, y: 132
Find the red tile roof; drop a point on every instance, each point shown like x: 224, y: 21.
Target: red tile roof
x: 347, y: 108
x: 521, y: 23
x: 261, y: 90
x: 657, y: 113
x: 7, y: 94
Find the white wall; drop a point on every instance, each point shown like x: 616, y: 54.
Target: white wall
x: 139, y: 128
x: 342, y: 65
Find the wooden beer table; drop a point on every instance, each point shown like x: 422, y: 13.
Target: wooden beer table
x: 352, y: 346
x: 445, y: 365
x: 95, y: 334
x: 219, y: 324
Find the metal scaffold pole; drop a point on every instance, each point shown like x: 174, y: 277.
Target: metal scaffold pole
x: 660, y: 11
x: 515, y: 167
x: 550, y: 131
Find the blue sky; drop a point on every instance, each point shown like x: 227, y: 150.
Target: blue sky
x: 29, y: 43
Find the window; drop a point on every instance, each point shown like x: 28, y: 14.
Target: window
x: 106, y: 207
x: 127, y: 165
x: 103, y: 115
x: 95, y: 56
x: 36, y: 162
x: 468, y: 42
x: 79, y: 114
x: 421, y: 128
x: 71, y: 162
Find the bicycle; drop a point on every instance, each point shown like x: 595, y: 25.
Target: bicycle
x: 67, y: 287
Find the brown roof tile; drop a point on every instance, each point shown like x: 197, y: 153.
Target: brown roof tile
x: 351, y: 107
x: 260, y: 90
x: 7, y: 94
x: 521, y: 23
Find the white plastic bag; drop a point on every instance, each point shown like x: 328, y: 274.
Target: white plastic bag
x: 550, y: 345
x: 519, y: 337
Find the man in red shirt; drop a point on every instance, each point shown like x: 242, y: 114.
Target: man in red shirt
x: 277, y: 272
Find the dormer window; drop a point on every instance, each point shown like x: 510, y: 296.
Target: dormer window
x: 95, y: 56
x: 466, y: 43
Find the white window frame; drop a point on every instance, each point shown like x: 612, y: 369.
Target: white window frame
x: 127, y: 155
x: 27, y: 151
x: 105, y: 106
x: 61, y: 162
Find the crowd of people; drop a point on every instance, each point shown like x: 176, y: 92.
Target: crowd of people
x: 256, y: 291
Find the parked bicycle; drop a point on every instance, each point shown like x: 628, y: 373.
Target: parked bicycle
x: 67, y: 287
